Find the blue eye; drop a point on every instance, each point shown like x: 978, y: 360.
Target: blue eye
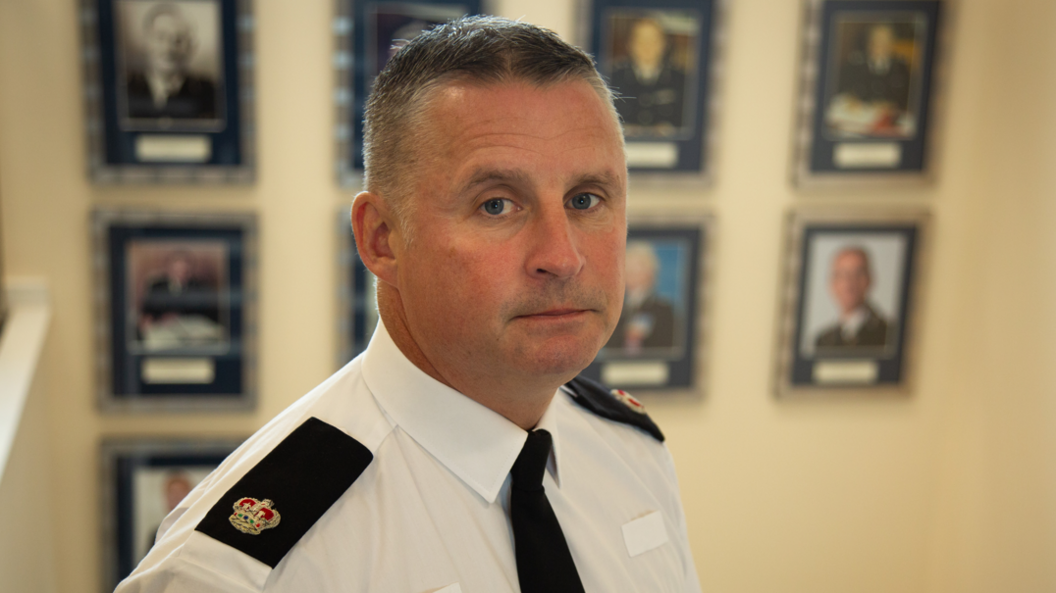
x: 584, y: 201
x: 495, y: 206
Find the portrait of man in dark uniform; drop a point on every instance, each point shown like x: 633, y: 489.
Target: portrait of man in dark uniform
x: 859, y: 324
x: 159, y: 82
x: 180, y: 308
x: 652, y: 89
x: 877, y: 75
x: 874, y: 81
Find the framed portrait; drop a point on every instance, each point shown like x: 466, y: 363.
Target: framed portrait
x: 168, y: 89
x: 659, y: 58
x: 849, y: 299
x: 143, y: 480
x: 657, y: 344
x: 367, y: 34
x: 357, y: 301
x: 176, y: 309
x: 868, y: 90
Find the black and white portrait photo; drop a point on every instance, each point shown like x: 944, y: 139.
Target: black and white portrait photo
x: 652, y: 59
x: 169, y: 90
x: 875, y: 75
x: 171, y: 64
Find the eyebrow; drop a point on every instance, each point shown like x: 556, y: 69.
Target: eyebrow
x: 482, y: 176
x: 514, y: 176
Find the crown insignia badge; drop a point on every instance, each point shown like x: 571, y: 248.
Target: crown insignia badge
x: 253, y: 516
x: 626, y: 399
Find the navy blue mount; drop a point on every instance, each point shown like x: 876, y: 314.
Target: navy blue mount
x: 599, y: 399
x: 304, y: 475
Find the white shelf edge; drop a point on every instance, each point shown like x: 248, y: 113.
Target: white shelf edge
x: 21, y: 343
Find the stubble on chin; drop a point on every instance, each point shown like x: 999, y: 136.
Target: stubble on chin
x: 541, y: 351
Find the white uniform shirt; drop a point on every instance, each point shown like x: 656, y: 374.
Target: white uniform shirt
x: 430, y: 512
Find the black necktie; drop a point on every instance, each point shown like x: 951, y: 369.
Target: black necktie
x: 544, y: 564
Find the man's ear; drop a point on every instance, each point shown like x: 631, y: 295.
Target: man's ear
x: 377, y: 236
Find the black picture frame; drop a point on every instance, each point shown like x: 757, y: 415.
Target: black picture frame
x: 851, y: 294
x: 357, y: 304
x: 868, y: 91
x: 176, y: 310
x: 142, y: 480
x: 658, y: 345
x: 364, y: 32
x: 668, y: 109
x: 169, y: 90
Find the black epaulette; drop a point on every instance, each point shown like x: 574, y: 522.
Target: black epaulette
x: 268, y: 511
x: 613, y: 404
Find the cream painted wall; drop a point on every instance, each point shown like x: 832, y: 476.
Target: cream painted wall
x: 27, y: 540
x: 952, y: 489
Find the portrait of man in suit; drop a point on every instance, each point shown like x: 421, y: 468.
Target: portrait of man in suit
x: 648, y: 319
x: 859, y: 324
x: 163, y: 47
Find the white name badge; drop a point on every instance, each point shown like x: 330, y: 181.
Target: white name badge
x: 645, y: 533
x: 850, y: 371
x: 179, y: 370
x: 660, y: 155
x: 156, y: 148
x: 635, y: 373
x: 880, y: 155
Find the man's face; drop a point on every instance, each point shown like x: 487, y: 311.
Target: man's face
x: 518, y: 229
x: 640, y: 273
x: 881, y: 43
x: 850, y: 280
x: 176, y: 489
x: 169, y: 44
x: 647, y: 44
x: 179, y: 270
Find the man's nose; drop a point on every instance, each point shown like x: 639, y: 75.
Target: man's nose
x: 554, y: 249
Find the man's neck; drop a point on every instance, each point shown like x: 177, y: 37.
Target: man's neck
x: 163, y: 85
x: 522, y: 401
x: 647, y: 73
x: 852, y: 321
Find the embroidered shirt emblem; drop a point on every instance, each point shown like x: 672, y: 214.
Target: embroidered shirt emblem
x: 253, y: 516
x: 626, y: 399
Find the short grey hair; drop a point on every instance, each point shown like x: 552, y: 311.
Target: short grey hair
x: 483, y: 49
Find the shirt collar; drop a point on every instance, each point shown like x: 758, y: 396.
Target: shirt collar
x: 476, y: 443
x: 854, y: 322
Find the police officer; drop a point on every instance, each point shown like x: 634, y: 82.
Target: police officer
x: 460, y: 452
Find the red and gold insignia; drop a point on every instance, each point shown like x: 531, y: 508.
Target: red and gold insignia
x: 253, y: 516
x: 628, y: 401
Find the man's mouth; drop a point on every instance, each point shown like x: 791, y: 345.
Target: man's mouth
x: 557, y: 312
